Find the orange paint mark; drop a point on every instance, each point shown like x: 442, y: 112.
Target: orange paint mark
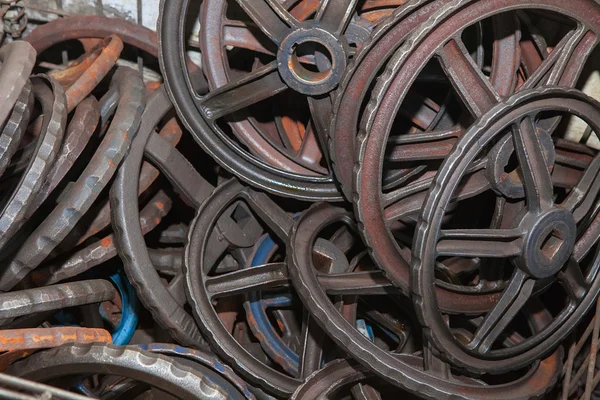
x: 107, y: 241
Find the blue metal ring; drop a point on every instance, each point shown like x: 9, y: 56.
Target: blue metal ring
x: 270, y: 340
x: 129, y: 312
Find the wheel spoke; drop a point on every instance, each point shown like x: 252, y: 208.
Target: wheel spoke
x: 370, y: 283
x: 539, y: 190
x: 336, y: 13
x: 472, y: 86
x: 497, y: 319
x: 237, y: 34
x: 248, y: 280
x: 403, y: 202
x: 433, y: 150
x: 178, y: 170
x: 270, y: 213
x: 425, y: 137
x: 270, y: 17
x: 565, y: 63
x: 572, y: 280
x: 250, y: 89
x: 215, y: 249
x: 320, y: 111
x: 581, y: 198
x: 167, y: 261
x: 491, y: 243
x: 398, y: 197
x: 312, y: 347
x: 310, y: 152
x: 505, y: 63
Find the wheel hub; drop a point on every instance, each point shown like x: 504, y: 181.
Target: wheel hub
x: 329, y: 52
x: 548, y: 243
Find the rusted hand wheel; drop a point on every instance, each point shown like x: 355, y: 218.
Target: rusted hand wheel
x: 304, y: 57
x: 440, y: 42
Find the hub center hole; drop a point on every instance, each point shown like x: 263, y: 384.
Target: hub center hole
x: 322, y: 61
x: 552, y: 244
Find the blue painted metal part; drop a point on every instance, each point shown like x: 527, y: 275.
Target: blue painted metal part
x: 262, y: 328
x: 81, y: 388
x: 388, y: 333
x: 365, y: 329
x: 129, y: 312
x: 258, y: 320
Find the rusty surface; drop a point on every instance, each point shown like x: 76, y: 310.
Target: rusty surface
x: 457, y: 132
x: 87, y: 188
x: 110, y: 49
x: 172, y: 132
x: 67, y: 76
x: 92, y: 27
x: 103, y: 250
x: 41, y: 338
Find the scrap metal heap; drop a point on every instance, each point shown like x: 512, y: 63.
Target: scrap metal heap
x: 366, y: 199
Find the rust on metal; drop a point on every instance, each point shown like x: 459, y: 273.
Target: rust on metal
x: 41, y: 338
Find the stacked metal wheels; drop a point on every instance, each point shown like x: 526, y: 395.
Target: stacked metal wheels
x: 301, y: 199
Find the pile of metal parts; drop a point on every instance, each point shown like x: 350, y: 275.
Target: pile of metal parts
x: 264, y: 199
